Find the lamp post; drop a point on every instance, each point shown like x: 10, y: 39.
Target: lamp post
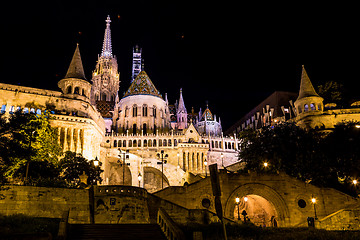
x: 163, y: 158
x: 96, y: 164
x: 205, y: 163
x: 237, y: 200
x: 125, y: 155
x: 139, y: 178
x: 313, y: 200
x: 222, y: 159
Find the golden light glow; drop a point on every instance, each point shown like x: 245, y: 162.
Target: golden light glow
x: 357, y: 126
x: 265, y: 164
x: 313, y: 200
x: 246, y: 199
x: 237, y: 200
x: 354, y: 181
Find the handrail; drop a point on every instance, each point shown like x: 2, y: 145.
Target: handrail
x: 168, y: 226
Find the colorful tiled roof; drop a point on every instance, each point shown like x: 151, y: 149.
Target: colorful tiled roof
x: 142, y: 85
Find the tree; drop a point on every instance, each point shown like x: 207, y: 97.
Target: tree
x: 285, y: 147
x: 325, y: 160
x: 73, y: 165
x: 29, y: 139
x: 333, y: 92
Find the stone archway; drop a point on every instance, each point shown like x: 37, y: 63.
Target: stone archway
x: 116, y: 174
x: 264, y: 205
x: 153, y: 179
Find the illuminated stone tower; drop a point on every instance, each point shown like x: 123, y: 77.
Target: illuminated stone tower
x: 137, y: 62
x: 105, y: 77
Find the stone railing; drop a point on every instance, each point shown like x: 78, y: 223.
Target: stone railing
x: 168, y: 226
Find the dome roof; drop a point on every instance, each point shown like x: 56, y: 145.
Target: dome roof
x: 142, y: 85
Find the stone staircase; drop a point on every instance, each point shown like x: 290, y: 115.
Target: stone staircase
x: 115, y: 231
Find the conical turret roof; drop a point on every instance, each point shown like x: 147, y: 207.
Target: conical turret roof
x: 306, y: 87
x: 142, y: 85
x: 76, y: 69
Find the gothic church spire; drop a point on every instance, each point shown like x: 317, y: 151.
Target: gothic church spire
x: 107, y: 49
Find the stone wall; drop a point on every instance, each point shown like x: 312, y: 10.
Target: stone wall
x: 46, y: 202
x: 290, y: 198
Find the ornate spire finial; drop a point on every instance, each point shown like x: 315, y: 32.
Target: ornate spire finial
x: 107, y: 49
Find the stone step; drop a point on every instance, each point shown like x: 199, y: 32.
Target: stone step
x: 115, y: 231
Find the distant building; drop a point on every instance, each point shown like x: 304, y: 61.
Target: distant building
x: 276, y: 108
x: 306, y: 109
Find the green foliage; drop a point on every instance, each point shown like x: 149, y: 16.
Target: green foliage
x: 333, y: 92
x: 311, y: 156
x: 30, y: 138
x: 73, y: 165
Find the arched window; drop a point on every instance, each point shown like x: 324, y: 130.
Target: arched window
x: 104, y: 97
x: 134, y: 143
x: 212, y: 144
x: 160, y: 143
x: 150, y: 143
x: 124, y: 143
x: 164, y: 142
x: 145, y: 143
x: 169, y: 143
x: 83, y: 92
x: 135, y: 111
x: 134, y: 129
x: 216, y: 144
x: 119, y: 143
x: 3, y: 109
x: 144, y: 130
x: 76, y: 90
x: 306, y: 108
x: 130, y: 143
x: 312, y: 106
x: 126, y: 111
x: 115, y: 143
x: 69, y: 90
x: 154, y: 111
x: 175, y: 142
x: 154, y: 143
x: 144, y: 110
x: 139, y: 143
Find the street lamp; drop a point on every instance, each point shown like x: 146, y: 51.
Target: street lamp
x: 205, y: 163
x: 96, y: 162
x: 313, y: 200
x: 163, y: 158
x: 125, y: 155
x: 237, y: 200
x: 266, y: 164
x: 139, y: 178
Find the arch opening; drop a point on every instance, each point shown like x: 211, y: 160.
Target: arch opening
x: 153, y: 179
x: 257, y: 210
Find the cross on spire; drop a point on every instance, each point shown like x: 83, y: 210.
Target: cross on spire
x: 107, y: 49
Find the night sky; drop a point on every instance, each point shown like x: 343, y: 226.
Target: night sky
x: 227, y: 53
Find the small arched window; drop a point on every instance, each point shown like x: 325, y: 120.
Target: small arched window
x: 306, y: 108
x: 312, y: 106
x: 135, y: 111
x: 144, y: 110
x: 76, y: 90
x: 69, y: 90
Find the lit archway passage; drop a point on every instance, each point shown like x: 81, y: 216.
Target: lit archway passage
x: 257, y: 210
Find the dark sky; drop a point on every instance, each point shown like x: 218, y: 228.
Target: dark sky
x: 229, y: 54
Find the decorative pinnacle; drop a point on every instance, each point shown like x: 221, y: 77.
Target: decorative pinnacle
x: 107, y: 48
